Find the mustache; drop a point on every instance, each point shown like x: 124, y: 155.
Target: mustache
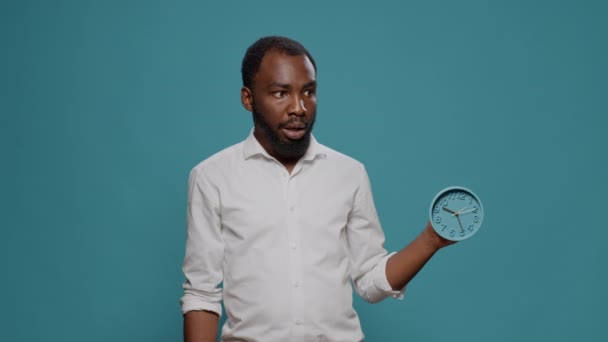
x: 296, y: 122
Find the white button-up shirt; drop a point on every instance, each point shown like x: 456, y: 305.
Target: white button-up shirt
x: 286, y: 246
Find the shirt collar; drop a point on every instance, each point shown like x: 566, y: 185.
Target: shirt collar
x: 253, y: 147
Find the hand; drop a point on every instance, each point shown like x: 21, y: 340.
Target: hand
x: 436, y: 240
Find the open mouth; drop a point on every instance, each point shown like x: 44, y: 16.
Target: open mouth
x: 293, y: 133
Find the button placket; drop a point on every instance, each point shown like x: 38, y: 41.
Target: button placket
x: 294, y: 252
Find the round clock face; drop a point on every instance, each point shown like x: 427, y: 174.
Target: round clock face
x: 456, y: 213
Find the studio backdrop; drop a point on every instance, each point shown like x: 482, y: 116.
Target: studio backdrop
x: 107, y: 105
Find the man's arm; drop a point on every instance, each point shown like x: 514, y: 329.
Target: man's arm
x: 200, y: 326
x: 404, y: 265
x: 202, y: 267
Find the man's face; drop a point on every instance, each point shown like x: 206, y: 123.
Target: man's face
x: 284, y: 104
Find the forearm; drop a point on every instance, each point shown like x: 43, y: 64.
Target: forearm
x: 200, y: 326
x: 405, y: 264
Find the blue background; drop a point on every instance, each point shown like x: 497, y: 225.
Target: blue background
x: 106, y: 106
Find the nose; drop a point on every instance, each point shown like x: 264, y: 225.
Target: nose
x: 298, y: 107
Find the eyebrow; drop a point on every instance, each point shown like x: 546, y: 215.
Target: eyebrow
x: 278, y: 85
x: 310, y: 84
x: 287, y: 86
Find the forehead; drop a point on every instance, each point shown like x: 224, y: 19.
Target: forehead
x: 278, y: 67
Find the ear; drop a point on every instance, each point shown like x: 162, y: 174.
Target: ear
x: 247, y: 98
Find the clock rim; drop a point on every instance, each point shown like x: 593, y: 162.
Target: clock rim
x: 451, y: 188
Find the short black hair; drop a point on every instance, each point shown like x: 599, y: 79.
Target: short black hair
x: 255, y: 53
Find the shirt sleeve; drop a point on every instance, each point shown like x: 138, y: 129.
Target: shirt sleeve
x: 366, y: 247
x: 202, y: 264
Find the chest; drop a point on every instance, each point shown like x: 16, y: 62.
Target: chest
x: 263, y: 203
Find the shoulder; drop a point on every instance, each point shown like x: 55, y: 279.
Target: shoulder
x: 341, y: 161
x: 220, y: 162
x: 339, y: 157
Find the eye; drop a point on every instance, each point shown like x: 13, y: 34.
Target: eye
x: 279, y: 94
x: 309, y: 92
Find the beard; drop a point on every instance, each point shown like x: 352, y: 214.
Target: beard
x: 283, y: 147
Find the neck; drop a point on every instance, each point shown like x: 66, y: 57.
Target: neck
x: 289, y: 165
x: 289, y: 162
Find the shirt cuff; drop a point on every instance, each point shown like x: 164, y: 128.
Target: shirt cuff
x: 191, y: 302
x: 381, y: 282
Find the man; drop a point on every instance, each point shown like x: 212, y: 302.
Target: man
x: 286, y: 223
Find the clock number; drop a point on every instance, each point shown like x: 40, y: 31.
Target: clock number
x: 475, y: 208
x: 452, y: 195
x: 452, y: 233
x: 462, y: 196
x: 436, y: 210
x: 444, y: 227
x: 437, y: 219
x: 444, y: 202
x: 476, y: 219
x: 462, y: 233
x: 470, y: 228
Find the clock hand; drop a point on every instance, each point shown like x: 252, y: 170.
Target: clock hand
x: 467, y: 211
x: 455, y: 213
x: 458, y: 217
x: 460, y: 211
x: 449, y: 210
